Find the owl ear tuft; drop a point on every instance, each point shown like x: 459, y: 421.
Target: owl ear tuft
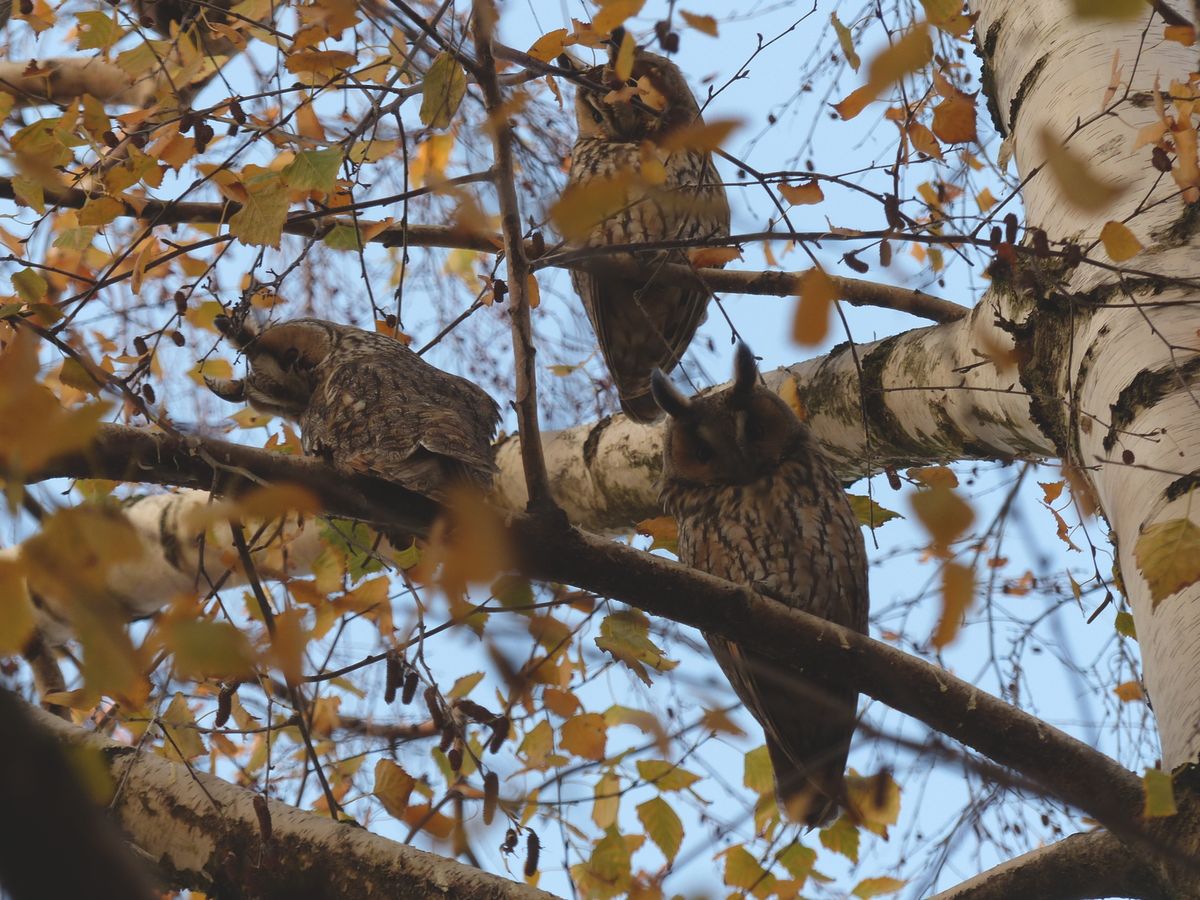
x: 745, y: 375
x: 669, y: 398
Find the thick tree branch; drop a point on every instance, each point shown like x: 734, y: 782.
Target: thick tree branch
x: 51, y: 819
x: 1080, y: 867
x: 549, y: 551
x: 205, y: 833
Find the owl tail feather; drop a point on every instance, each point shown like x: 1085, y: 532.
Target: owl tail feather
x: 641, y: 407
x: 813, y: 796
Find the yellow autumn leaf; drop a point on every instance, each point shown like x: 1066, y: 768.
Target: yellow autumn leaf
x: 607, y: 802
x: 699, y: 135
x: 179, y: 724
x: 585, y: 735
x: 1168, y: 557
x: 817, y: 295
x: 16, y: 608
x: 954, y: 119
x: 1108, y: 9
x: 877, y: 887
x: 910, y: 53
x: 923, y: 140
x: 712, y: 257
x: 802, y: 194
x: 613, y: 13
x: 1079, y: 186
x: 705, y: 24
x: 582, y: 206
x: 985, y: 200
x: 550, y: 45
x: 623, y: 65
x: 320, y: 63
x: 663, y: 825
x: 846, y: 41
x: 1119, y: 242
x: 945, y: 515
x: 1160, y: 794
x: 443, y: 90
x: 393, y: 787
x: 1182, y: 34
x: 1128, y: 691
x: 958, y: 590
x: 260, y: 221
x: 209, y: 649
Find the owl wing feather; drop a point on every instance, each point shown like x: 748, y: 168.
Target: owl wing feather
x: 643, y: 325
x: 382, y: 415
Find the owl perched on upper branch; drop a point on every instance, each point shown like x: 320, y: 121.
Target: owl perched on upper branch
x: 644, y: 323
x: 367, y: 403
x: 757, y: 503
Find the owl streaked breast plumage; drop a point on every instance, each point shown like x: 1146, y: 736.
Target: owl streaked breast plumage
x: 645, y: 323
x: 758, y: 504
x: 367, y: 403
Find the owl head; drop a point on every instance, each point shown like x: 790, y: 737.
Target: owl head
x: 735, y: 436
x: 612, y: 116
x: 283, y: 362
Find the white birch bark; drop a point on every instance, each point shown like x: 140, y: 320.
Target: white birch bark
x: 202, y: 831
x: 1131, y: 366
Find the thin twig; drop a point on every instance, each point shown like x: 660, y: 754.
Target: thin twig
x: 536, y: 480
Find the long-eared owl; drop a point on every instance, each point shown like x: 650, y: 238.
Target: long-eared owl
x: 366, y: 403
x: 758, y: 503
x: 644, y: 323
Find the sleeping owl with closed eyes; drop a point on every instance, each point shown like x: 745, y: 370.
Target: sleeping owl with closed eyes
x: 366, y: 403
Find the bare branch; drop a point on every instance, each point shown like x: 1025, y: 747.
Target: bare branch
x: 524, y: 353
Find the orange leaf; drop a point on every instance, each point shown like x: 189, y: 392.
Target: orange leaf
x: 817, y: 295
x: 802, y: 194
x: 1119, y: 242
x: 954, y: 119
x: 958, y: 589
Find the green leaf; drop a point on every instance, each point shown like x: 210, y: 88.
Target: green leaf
x: 314, y: 170
x: 665, y: 776
x: 663, y: 826
x: 445, y: 85
x: 1160, y: 794
x: 868, y: 512
x: 1168, y: 556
